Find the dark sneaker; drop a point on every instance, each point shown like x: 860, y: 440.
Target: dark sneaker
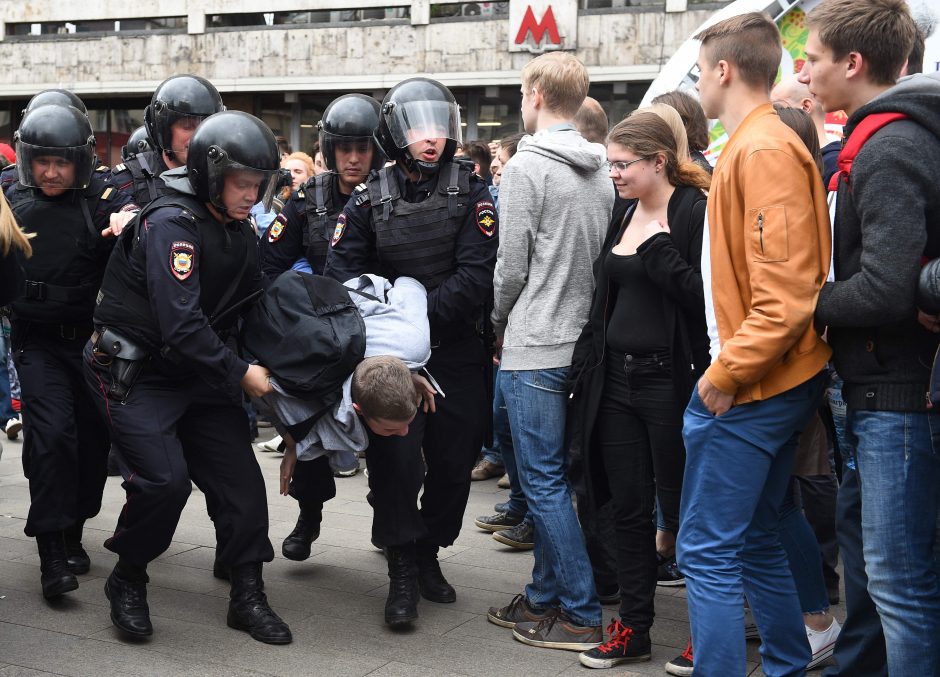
x: 624, y: 646
x: 485, y: 470
x: 501, y: 507
x: 521, y: 536
x: 558, y: 631
x: 517, y: 611
x: 668, y: 574
x: 499, y: 521
x: 682, y: 664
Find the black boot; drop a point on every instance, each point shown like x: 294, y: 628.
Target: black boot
x: 248, y: 608
x: 78, y: 559
x: 126, y: 589
x: 401, y: 607
x: 55, y: 576
x: 297, y: 544
x: 434, y: 587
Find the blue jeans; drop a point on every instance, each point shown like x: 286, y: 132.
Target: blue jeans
x: 502, y: 450
x: 6, y: 404
x: 802, y: 550
x: 736, y: 474
x: 899, y: 474
x: 561, y: 575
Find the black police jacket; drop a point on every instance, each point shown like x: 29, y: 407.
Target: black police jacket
x: 304, y: 227
x: 442, y: 232
x: 165, y: 281
x: 140, y: 176
x: 69, y: 253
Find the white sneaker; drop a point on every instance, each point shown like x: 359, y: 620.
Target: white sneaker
x: 271, y: 446
x: 13, y: 427
x: 822, y: 642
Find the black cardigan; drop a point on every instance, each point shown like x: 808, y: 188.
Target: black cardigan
x: 673, y: 262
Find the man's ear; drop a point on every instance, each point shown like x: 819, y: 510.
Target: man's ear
x: 807, y: 105
x: 855, y: 66
x: 476, y: 167
x: 724, y: 72
x: 357, y: 409
x: 536, y: 98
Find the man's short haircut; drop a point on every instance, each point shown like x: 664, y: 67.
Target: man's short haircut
x: 479, y: 152
x: 591, y: 120
x: 693, y: 117
x: 915, y: 60
x: 382, y: 387
x: 511, y: 143
x: 750, y: 42
x: 882, y: 31
x: 562, y: 80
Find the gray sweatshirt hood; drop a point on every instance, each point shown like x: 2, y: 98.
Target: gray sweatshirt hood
x: 178, y: 179
x: 917, y: 96
x: 566, y: 146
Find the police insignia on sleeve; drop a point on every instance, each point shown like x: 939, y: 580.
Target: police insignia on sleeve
x: 486, y: 217
x: 277, y: 228
x: 339, y: 230
x: 182, y: 259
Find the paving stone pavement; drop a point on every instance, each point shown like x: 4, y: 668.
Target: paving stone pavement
x: 333, y: 601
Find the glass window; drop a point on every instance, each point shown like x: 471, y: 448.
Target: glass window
x: 498, y: 116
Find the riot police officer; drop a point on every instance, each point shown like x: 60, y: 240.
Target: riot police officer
x: 66, y: 199
x: 137, y: 142
x: 306, y: 224
x: 428, y: 217
x: 179, y: 104
x: 160, y: 364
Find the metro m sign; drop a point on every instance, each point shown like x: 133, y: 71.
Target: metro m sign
x: 540, y: 25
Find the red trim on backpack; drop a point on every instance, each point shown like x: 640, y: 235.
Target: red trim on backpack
x: 853, y: 145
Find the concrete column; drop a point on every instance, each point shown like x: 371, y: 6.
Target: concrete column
x: 196, y: 23
x: 420, y: 12
x: 677, y: 5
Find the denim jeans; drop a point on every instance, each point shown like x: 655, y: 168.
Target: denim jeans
x: 6, y: 404
x: 737, y: 470
x: 803, y: 554
x: 561, y: 574
x: 899, y: 474
x: 502, y: 451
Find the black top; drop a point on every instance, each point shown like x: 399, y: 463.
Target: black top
x: 638, y: 323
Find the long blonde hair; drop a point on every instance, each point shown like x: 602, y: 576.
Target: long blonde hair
x: 10, y: 233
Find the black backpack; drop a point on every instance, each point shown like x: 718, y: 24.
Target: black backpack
x: 309, y: 334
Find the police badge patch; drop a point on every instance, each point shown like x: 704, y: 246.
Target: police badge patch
x: 339, y: 230
x: 486, y: 217
x: 277, y: 228
x: 182, y: 259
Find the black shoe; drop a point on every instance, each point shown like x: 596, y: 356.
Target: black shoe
x: 55, y: 577
x: 499, y: 521
x: 297, y: 544
x: 401, y: 606
x: 431, y: 582
x: 78, y: 560
x: 668, y: 574
x: 129, y: 611
x: 249, y: 610
x: 624, y: 646
x: 521, y: 536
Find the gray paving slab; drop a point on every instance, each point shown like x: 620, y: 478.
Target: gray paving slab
x: 19, y: 671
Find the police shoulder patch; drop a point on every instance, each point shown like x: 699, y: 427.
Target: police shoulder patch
x: 486, y: 217
x: 339, y: 230
x: 182, y: 259
x: 276, y: 230
x: 102, y: 168
x: 120, y: 168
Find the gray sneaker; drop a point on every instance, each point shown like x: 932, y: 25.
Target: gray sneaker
x: 498, y: 522
x: 521, y: 536
x: 558, y: 631
x: 517, y: 611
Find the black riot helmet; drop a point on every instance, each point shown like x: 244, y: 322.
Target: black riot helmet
x: 232, y: 141
x: 415, y: 109
x: 177, y: 98
x: 351, y: 118
x: 137, y: 142
x: 56, y: 97
x: 48, y: 135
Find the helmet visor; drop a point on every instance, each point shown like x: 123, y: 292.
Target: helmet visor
x: 418, y: 120
x: 234, y: 186
x: 55, y: 168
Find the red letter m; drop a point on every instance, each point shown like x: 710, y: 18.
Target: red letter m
x: 538, y: 28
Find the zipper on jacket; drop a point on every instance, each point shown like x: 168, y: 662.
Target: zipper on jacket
x: 760, y: 230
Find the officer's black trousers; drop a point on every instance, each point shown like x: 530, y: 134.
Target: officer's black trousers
x: 172, y: 432
x: 313, y: 483
x: 451, y: 440
x: 65, y: 446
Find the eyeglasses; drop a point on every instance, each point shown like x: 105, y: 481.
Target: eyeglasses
x: 620, y: 165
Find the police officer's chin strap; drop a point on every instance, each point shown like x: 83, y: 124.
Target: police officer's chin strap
x: 426, y: 169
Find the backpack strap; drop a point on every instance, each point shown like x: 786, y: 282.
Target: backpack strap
x: 853, y: 145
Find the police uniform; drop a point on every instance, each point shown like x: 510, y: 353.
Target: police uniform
x: 66, y: 441
x: 182, y: 418
x: 443, y: 232
x: 140, y: 176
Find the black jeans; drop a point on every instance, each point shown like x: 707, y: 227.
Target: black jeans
x: 639, y: 435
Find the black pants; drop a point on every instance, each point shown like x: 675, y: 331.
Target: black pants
x: 639, y: 435
x: 450, y: 439
x: 65, y: 446
x: 313, y: 483
x: 171, y: 433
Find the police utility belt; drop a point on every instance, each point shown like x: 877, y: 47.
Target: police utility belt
x: 124, y: 358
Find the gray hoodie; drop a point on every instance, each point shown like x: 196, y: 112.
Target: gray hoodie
x: 555, y: 200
